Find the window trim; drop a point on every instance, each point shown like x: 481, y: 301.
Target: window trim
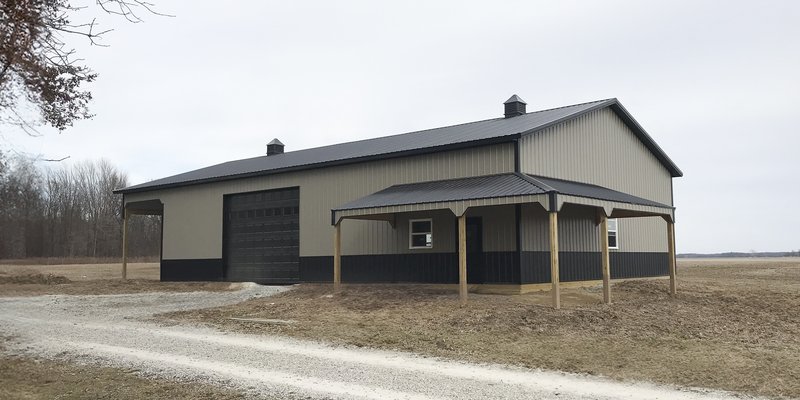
x: 616, y: 233
x: 411, y: 233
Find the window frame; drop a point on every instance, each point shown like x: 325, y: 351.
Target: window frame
x: 615, y: 231
x: 411, y: 234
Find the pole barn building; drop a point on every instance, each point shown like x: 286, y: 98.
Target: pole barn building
x: 577, y: 193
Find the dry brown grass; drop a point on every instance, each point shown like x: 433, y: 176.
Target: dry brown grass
x: 733, y: 326
x: 34, y: 278
x: 91, y: 279
x: 86, y: 272
x: 75, y: 260
x: 25, y: 378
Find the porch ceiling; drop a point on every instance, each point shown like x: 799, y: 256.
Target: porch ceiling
x: 510, y: 188
x: 146, y: 207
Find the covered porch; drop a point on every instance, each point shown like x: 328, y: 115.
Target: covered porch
x: 131, y: 208
x: 466, y: 196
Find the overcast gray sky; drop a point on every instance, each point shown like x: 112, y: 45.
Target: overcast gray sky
x: 716, y: 83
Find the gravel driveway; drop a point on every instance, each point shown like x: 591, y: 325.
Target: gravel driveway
x: 111, y: 330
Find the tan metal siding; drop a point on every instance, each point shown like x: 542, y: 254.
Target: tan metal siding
x: 577, y: 231
x: 193, y: 215
x: 597, y: 148
x: 646, y: 234
x: 188, y: 224
x: 499, y: 227
x: 444, y: 229
x: 534, y: 228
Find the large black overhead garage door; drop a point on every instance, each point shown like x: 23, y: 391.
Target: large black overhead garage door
x: 262, y: 236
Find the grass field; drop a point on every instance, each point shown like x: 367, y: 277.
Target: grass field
x: 734, y: 325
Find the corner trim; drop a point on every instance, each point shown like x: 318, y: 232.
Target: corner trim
x: 553, y: 200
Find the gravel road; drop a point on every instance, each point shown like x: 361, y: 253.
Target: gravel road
x: 113, y: 330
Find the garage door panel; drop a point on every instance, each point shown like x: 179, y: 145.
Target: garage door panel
x: 262, y: 236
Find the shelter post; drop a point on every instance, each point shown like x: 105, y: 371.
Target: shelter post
x: 554, y: 259
x: 125, y: 217
x: 337, y: 257
x: 673, y: 290
x: 605, y: 257
x: 462, y: 258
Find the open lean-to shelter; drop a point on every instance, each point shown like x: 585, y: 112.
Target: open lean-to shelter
x: 512, y: 204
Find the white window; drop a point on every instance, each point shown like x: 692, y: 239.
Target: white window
x: 420, y: 234
x: 613, y: 234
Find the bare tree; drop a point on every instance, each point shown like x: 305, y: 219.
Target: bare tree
x: 21, y: 199
x: 38, y: 68
x: 68, y: 212
x: 95, y: 183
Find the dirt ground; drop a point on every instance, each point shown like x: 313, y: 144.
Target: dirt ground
x: 83, y: 279
x: 25, y: 378
x: 734, y: 325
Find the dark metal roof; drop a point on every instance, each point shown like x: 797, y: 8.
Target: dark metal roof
x: 432, y: 140
x: 515, y: 99
x: 480, y: 187
x: 580, y: 189
x: 489, y: 186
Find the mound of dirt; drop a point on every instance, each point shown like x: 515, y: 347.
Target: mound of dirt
x: 34, y: 278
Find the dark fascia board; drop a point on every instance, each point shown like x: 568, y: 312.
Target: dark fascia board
x: 630, y: 122
x: 408, y: 153
x: 648, y: 141
x: 622, y: 202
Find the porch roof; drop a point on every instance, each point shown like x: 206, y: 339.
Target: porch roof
x: 508, y: 188
x: 479, y: 187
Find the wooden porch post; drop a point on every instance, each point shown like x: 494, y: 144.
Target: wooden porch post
x: 462, y: 258
x: 554, y: 259
x: 605, y: 258
x: 125, y: 244
x: 337, y: 257
x: 673, y: 290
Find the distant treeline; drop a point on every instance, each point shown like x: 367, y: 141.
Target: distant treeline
x: 67, y: 211
x: 740, y: 254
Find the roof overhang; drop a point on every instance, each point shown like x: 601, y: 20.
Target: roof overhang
x: 457, y: 195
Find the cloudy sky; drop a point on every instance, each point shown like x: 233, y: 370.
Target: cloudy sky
x: 716, y: 83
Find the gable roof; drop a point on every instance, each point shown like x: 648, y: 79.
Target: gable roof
x: 497, y: 130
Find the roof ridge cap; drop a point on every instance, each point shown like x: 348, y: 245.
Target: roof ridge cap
x: 611, y: 99
x: 535, y: 182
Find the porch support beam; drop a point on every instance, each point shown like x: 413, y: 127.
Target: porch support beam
x: 673, y: 290
x: 605, y: 258
x: 462, y: 258
x: 337, y: 257
x: 125, y: 216
x: 554, y: 259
